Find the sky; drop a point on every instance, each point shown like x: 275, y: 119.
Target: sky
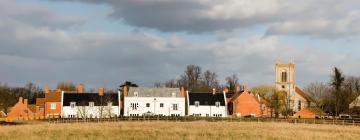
x: 105, y: 42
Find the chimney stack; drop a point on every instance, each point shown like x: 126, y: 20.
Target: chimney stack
x: 226, y: 90
x: 80, y: 88
x: 101, y: 91
x: 214, y: 91
x: 21, y: 99
x: 245, y: 88
x: 46, y: 88
x: 237, y: 88
x: 182, y: 91
x: 125, y: 90
x: 26, y: 102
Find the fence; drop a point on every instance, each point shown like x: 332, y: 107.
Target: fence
x: 209, y: 119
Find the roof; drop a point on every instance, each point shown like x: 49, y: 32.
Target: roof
x: 154, y: 92
x: 2, y: 114
x: 206, y: 98
x: 53, y: 96
x: 83, y: 99
x: 40, y: 101
x: 303, y: 94
x: 229, y: 94
x: 32, y: 108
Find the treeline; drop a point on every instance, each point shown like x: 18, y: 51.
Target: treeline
x: 194, y: 78
x: 336, y: 95
x: 10, y: 95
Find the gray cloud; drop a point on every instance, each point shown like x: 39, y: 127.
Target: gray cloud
x: 323, y: 18
x: 44, y: 54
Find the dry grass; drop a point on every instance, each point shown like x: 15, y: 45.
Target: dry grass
x: 179, y: 130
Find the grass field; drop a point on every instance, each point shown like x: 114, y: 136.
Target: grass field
x: 179, y: 130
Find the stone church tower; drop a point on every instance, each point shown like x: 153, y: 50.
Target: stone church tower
x: 285, y: 81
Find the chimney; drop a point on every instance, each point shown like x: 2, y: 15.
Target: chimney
x: 125, y: 90
x: 46, y: 89
x: 21, y: 99
x: 182, y: 91
x: 80, y: 88
x: 237, y: 88
x: 245, y: 88
x: 26, y: 102
x: 101, y: 91
x: 214, y: 91
x: 226, y: 90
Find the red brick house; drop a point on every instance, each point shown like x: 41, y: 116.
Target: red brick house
x: 20, y: 111
x: 245, y: 103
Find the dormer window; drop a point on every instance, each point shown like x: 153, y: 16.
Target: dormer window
x: 197, y: 103
x: 91, y: 104
x: 109, y: 104
x: 72, y: 105
x: 136, y: 94
x: 217, y: 104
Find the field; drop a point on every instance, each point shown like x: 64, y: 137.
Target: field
x: 178, y: 130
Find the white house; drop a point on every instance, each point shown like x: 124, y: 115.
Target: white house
x: 90, y: 105
x: 206, y: 104
x: 140, y: 101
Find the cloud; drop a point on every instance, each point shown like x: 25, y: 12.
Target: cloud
x: 12, y: 12
x: 329, y: 18
x: 49, y: 53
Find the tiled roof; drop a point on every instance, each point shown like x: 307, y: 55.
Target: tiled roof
x: 40, y: 101
x: 206, y: 98
x: 153, y: 92
x: 303, y: 94
x: 83, y: 99
x: 32, y: 108
x: 53, y: 96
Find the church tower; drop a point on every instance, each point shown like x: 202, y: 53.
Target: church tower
x: 285, y: 80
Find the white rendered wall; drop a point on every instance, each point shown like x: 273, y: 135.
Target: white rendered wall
x: 155, y: 108
x: 211, y: 110
x: 90, y: 111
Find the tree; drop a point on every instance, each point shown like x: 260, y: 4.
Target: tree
x: 210, y: 79
x: 264, y: 91
x: 320, y: 92
x: 66, y: 86
x: 6, y: 99
x: 278, y: 103
x: 231, y: 82
x: 337, y: 81
x: 191, y: 76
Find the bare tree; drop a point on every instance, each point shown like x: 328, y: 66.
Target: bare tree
x: 82, y: 110
x: 210, y: 79
x: 66, y: 86
x: 191, y: 77
x: 320, y: 92
x: 232, y: 81
x: 171, y: 83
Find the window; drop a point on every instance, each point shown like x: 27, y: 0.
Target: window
x: 136, y: 93
x: 217, y: 104
x: 197, y: 103
x: 53, y: 106
x: 91, y: 104
x: 72, y: 105
x: 299, y: 105
x: 175, y: 106
x: 147, y: 104
x: 173, y: 94
x: 283, y: 86
x: 134, y: 106
x: 109, y: 104
x: 283, y: 76
x: 161, y: 104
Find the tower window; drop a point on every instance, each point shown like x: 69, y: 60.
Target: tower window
x: 283, y: 76
x: 299, y: 105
